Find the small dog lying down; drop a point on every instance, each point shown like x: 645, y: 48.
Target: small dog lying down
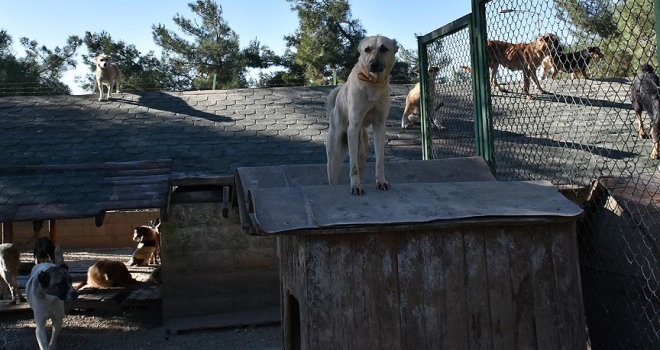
x: 572, y: 62
x: 107, y: 273
x: 644, y: 97
x: 47, y: 289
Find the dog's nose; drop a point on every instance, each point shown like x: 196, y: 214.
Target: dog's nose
x: 376, y: 67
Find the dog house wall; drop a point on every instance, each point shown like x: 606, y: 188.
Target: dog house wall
x: 210, y: 266
x: 448, y: 258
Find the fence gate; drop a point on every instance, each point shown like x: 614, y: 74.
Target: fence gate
x: 579, y: 132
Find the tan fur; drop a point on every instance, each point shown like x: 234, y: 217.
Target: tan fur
x: 107, y: 74
x: 148, y: 250
x: 107, y: 273
x: 362, y: 101
x: 10, y: 261
x: 526, y: 57
x: 411, y: 112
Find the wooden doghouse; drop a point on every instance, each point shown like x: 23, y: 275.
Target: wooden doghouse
x: 447, y: 259
x: 619, y: 252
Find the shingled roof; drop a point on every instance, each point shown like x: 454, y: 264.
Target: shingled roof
x: 74, y: 156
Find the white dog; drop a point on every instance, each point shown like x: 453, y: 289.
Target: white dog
x: 362, y: 101
x: 47, y: 289
x: 107, y: 74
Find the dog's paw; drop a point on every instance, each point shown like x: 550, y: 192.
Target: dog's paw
x: 357, y: 190
x: 383, y: 186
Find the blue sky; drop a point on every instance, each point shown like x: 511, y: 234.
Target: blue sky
x: 51, y: 22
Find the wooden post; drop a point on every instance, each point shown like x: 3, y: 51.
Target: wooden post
x: 8, y: 232
x: 52, y: 230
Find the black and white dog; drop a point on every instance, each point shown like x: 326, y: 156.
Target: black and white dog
x: 46, y: 251
x: 47, y: 289
x: 645, y: 97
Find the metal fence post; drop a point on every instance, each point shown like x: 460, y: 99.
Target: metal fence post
x: 481, y: 87
x: 423, y: 111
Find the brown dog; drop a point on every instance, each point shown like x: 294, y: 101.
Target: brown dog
x: 572, y: 62
x: 411, y: 112
x: 526, y: 57
x: 107, y: 273
x: 10, y: 261
x: 148, y: 248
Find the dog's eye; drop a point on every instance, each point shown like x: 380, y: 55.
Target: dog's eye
x: 382, y: 48
x: 367, y: 49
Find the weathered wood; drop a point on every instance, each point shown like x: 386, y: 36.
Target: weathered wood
x: 8, y: 232
x: 478, y: 308
x: 52, y: 230
x: 502, y: 318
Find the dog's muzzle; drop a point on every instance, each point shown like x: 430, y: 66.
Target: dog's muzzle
x: 376, y: 67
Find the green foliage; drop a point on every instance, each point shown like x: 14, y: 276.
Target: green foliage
x: 139, y: 72
x: 624, y: 31
x: 212, y: 53
x: 39, y: 71
x: 326, y: 41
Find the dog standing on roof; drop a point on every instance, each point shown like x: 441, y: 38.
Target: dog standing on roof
x: 107, y: 74
x: 362, y: 101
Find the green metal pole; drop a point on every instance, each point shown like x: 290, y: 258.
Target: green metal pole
x: 423, y: 72
x: 483, y: 123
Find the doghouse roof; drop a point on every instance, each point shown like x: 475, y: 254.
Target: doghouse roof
x: 73, y: 156
x: 292, y: 200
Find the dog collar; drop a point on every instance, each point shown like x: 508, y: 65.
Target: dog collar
x: 366, y: 77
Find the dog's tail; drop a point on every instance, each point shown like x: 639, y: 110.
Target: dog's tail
x: 332, y: 98
x: 81, y: 284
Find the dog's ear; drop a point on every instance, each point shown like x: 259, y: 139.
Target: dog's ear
x: 395, y: 46
x: 44, y: 279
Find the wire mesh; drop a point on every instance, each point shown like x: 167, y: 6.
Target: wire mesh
x: 575, y: 127
x: 450, y: 100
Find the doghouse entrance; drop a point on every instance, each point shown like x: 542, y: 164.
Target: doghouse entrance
x: 293, y: 322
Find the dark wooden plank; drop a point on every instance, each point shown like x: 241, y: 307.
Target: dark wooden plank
x: 522, y: 290
x: 366, y: 321
x: 288, y: 318
x: 568, y: 288
x: 411, y: 277
x: 319, y: 290
x: 497, y: 247
x: 342, y: 317
x: 136, y: 180
x: 183, y: 179
x: 300, y: 285
x: 478, y: 308
x: 382, y: 266
x: 546, y: 304
x: 456, y: 334
x: 435, y: 287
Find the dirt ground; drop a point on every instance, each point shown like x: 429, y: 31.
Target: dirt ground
x: 134, y: 328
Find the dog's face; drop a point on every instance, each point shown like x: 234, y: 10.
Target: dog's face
x: 548, y: 43
x: 141, y: 232
x: 56, y: 281
x: 595, y: 52
x: 103, y: 61
x: 377, y: 55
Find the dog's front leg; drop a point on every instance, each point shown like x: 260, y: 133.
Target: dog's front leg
x: 379, y: 150
x: 57, y: 326
x: 42, y: 336
x: 110, y: 84
x: 353, y: 135
x: 98, y: 82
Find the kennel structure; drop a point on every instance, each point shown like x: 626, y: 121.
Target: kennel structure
x: 449, y: 258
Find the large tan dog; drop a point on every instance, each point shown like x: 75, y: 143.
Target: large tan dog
x: 411, y: 112
x: 526, y: 57
x: 107, y: 273
x: 47, y: 289
x: 10, y: 261
x: 362, y: 101
x: 107, y: 74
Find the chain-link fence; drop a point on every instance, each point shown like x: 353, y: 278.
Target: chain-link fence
x: 563, y: 113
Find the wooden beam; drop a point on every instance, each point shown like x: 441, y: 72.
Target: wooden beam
x: 52, y: 230
x: 8, y: 232
x: 98, y: 219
